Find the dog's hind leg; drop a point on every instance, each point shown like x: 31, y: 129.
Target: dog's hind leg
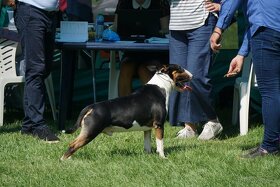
x: 74, y: 146
x: 85, y: 136
x: 159, y: 141
x: 147, y: 141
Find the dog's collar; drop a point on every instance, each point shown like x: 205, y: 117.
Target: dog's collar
x: 166, y: 77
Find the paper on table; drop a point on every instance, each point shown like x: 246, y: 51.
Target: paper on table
x: 125, y: 41
x: 73, y: 31
x: 158, y: 40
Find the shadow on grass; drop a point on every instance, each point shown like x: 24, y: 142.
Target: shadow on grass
x: 178, y: 148
x: 248, y: 147
x: 230, y: 130
x: 10, y: 128
x: 128, y: 152
x: 13, y: 120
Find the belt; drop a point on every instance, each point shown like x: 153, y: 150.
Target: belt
x: 48, y: 13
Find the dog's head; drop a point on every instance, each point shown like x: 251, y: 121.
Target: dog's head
x: 179, y: 75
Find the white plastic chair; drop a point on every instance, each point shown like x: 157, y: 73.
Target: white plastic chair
x: 241, y: 96
x: 113, y: 76
x: 8, y: 75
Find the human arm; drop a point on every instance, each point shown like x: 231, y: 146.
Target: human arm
x: 227, y: 12
x: 165, y: 17
x: 235, y: 66
x: 212, y: 7
x: 237, y: 62
x: 216, y: 37
x: 8, y: 34
x: 245, y: 47
x: 164, y: 24
x: 122, y: 4
x: 114, y: 26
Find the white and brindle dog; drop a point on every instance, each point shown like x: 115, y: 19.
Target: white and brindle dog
x: 141, y: 111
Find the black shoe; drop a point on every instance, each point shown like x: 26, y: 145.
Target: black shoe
x: 46, y: 135
x: 258, y: 152
x: 25, y: 132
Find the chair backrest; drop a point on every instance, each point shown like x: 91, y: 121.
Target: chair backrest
x: 248, y: 73
x: 247, y: 69
x: 7, y: 58
x: 254, y: 78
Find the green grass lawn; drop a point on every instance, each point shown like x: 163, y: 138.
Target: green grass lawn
x: 121, y: 161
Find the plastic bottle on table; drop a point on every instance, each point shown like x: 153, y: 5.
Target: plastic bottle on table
x: 99, y: 27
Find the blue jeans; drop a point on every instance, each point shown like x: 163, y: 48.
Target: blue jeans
x: 36, y: 29
x: 191, y: 50
x: 266, y: 59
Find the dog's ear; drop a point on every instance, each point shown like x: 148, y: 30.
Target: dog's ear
x: 159, y: 67
x: 152, y: 68
x: 164, y: 69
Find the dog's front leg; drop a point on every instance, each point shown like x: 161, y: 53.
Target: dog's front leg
x: 147, y: 141
x: 159, y: 141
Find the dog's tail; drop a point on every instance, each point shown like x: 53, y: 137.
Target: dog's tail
x: 79, y: 120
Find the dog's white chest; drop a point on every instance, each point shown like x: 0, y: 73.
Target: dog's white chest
x: 135, y: 127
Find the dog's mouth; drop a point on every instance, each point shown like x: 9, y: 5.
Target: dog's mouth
x: 181, y: 80
x: 179, y: 75
x: 182, y: 86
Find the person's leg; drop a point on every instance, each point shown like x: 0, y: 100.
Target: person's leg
x: 144, y: 73
x: 127, y: 72
x: 178, y: 51
x: 50, y: 45
x: 35, y: 69
x: 201, y: 107
x: 177, y: 55
x: 33, y: 45
x: 266, y: 59
x: 149, y: 63
x: 35, y: 29
x: 196, y: 106
x: 199, y: 58
x: 146, y: 70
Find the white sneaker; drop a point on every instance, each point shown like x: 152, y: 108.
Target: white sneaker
x: 211, y: 130
x: 186, y: 132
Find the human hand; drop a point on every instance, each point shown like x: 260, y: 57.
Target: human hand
x: 235, y: 66
x: 212, y: 7
x: 10, y: 3
x: 163, y: 32
x: 215, y: 40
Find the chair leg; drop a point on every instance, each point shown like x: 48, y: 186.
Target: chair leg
x: 51, y: 96
x: 244, y: 108
x: 2, y: 90
x: 113, y: 77
x: 235, y: 106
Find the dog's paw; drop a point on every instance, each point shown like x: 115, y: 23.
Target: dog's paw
x: 63, y: 158
x: 162, y: 156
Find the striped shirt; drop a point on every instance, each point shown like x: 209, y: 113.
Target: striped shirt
x: 187, y: 14
x: 48, y: 5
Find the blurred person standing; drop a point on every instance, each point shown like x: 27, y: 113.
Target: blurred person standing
x: 191, y: 25
x: 36, y: 24
x: 137, y: 63
x: 79, y: 10
x: 263, y: 40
